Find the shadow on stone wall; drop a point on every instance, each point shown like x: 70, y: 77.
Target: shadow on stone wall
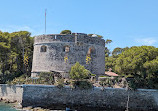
x: 3, y: 90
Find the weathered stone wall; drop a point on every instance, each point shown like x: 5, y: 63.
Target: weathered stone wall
x: 51, y: 38
x: 12, y: 93
x: 110, y: 98
x: 79, y: 45
x: 47, y: 96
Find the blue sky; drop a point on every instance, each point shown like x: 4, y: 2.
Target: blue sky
x: 125, y: 22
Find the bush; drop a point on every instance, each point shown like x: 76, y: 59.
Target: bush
x: 46, y: 78
x: 82, y: 84
x: 107, y: 82
x: 6, y: 77
x: 65, y: 32
x: 60, y: 83
x: 132, y: 85
x: 20, y: 80
x: 138, y: 82
x: 78, y: 72
x: 114, y: 82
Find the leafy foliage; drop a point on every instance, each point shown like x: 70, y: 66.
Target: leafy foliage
x: 118, y: 51
x: 113, y: 82
x: 23, y: 79
x: 60, y: 83
x: 78, y: 72
x: 65, y: 32
x: 108, y: 41
x: 46, y: 78
x: 110, y: 61
x: 137, y: 60
x: 107, y: 51
x: 82, y: 84
x: 13, y: 47
x: 141, y: 63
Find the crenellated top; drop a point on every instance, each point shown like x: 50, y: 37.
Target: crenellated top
x: 74, y: 37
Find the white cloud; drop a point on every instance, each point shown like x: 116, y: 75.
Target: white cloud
x: 146, y: 41
x: 13, y: 28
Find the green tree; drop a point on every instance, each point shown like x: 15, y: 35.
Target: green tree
x: 108, y: 41
x: 141, y: 63
x: 13, y: 47
x: 78, y: 72
x: 22, y: 44
x: 118, y: 51
x: 65, y: 32
x: 4, y: 51
x: 152, y: 68
x: 136, y: 60
x: 110, y: 62
x: 107, y: 51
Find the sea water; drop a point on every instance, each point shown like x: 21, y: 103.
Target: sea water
x: 6, y: 107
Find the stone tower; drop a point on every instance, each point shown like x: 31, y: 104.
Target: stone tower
x: 58, y: 52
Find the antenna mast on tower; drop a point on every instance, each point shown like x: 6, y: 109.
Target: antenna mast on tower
x: 45, y: 20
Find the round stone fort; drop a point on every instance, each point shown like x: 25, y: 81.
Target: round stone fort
x: 58, y: 52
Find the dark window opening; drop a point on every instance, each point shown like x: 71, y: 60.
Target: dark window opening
x: 43, y: 49
x: 91, y: 51
x: 66, y: 49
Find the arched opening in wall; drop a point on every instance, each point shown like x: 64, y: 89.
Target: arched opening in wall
x: 91, y: 51
x: 43, y: 48
x: 66, y: 48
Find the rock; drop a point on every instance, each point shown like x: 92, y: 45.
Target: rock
x: 28, y: 108
x: 18, y: 106
x: 40, y: 109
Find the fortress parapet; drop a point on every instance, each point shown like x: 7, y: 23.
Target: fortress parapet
x: 58, y: 52
x: 74, y: 37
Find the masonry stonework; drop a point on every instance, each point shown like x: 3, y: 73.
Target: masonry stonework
x: 96, y: 99
x: 58, y: 52
x: 49, y: 96
x: 11, y: 93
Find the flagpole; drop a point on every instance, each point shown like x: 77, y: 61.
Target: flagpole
x: 45, y: 20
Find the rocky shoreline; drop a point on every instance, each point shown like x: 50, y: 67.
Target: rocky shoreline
x: 19, y: 107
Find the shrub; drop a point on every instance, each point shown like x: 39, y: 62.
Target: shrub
x: 107, y: 82
x: 46, y: 78
x: 65, y: 32
x: 82, y: 84
x: 19, y: 80
x: 6, y: 77
x: 60, y: 83
x: 114, y: 82
x: 78, y: 72
x: 132, y: 85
